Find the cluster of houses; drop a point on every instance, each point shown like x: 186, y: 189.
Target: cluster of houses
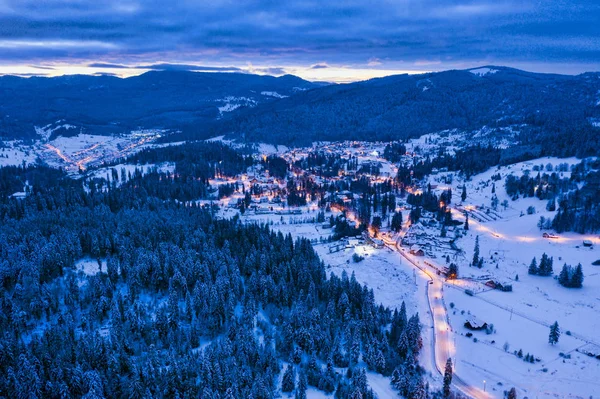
x: 425, y: 243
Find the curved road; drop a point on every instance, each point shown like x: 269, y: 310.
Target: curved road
x: 443, y: 343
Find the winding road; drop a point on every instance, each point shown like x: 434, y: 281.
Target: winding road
x: 443, y: 343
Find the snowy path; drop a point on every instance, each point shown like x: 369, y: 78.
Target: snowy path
x: 443, y: 343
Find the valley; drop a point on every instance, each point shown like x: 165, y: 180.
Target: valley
x: 411, y: 262
x: 484, y: 233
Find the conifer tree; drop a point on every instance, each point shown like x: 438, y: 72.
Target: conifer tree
x: 476, y: 252
x: 447, y: 377
x: 554, y: 333
x: 453, y: 271
x: 545, y: 268
x: 289, y: 379
x: 302, y: 386
x: 396, y: 222
x: 563, y: 277
x: 533, y: 268
x: 577, y: 278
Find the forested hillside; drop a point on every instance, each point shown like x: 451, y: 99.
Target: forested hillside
x: 180, y: 305
x: 554, y: 112
x: 111, y: 105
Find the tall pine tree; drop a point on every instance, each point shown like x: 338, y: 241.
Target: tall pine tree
x: 476, y: 252
x: 554, y: 333
x: 447, y: 377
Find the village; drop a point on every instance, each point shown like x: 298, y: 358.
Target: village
x: 344, y: 198
x: 413, y: 238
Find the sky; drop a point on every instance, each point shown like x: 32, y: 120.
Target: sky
x: 344, y: 40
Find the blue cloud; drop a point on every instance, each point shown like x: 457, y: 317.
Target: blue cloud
x: 166, y: 67
x: 300, y: 32
x: 107, y: 65
x: 188, y: 67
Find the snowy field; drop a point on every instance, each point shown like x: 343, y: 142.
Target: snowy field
x: 129, y: 169
x: 77, y: 152
x: 86, y: 150
x: 15, y: 154
x: 521, y: 318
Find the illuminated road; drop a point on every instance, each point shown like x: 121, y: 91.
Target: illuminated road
x: 105, y: 150
x: 457, y: 214
x: 443, y: 343
x: 444, y: 347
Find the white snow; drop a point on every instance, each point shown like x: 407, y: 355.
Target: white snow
x: 229, y: 107
x: 391, y: 277
x: 521, y: 318
x: 77, y: 152
x: 272, y: 94
x: 270, y: 149
x: 231, y: 103
x: 482, y: 71
x: 165, y: 167
x: 90, y: 266
x: 46, y: 131
x: 15, y: 153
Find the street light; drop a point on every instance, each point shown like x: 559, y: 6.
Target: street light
x: 483, y: 385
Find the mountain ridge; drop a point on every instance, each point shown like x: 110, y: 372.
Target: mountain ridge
x: 155, y: 99
x: 403, y: 106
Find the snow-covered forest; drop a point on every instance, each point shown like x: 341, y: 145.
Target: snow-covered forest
x: 175, y: 303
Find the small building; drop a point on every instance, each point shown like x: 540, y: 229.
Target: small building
x: 374, y: 242
x: 491, y: 284
x: 416, y: 251
x: 377, y: 243
x: 473, y: 323
x: 498, y: 285
x: 19, y: 195
x: 591, y: 350
x: 548, y: 235
x: 587, y: 243
x: 353, y: 242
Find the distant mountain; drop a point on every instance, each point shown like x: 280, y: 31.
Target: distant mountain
x: 544, y: 106
x: 158, y: 99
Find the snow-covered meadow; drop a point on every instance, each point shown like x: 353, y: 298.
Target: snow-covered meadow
x: 508, y: 240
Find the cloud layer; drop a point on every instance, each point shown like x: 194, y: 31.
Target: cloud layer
x: 227, y: 35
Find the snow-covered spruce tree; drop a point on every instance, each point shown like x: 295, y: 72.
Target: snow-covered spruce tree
x: 447, y: 378
x: 545, y: 268
x: 476, y: 252
x: 577, y: 277
x: 288, y: 383
x: 554, y: 335
x: 564, y: 276
x: 302, y: 386
x: 533, y: 268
